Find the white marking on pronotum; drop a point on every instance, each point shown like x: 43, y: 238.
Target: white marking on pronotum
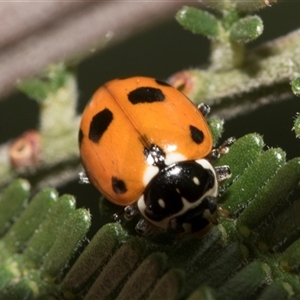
x: 149, y: 173
x: 162, y: 203
x: 141, y: 205
x: 174, y: 157
x: 213, y: 192
x: 196, y: 180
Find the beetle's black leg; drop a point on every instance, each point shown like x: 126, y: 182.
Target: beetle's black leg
x: 130, y: 211
x: 83, y: 179
x: 224, y: 148
x: 223, y: 173
x: 204, y: 109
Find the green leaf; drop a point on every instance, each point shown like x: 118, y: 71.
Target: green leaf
x: 198, y: 21
x: 236, y: 286
x: 40, y: 242
x: 285, y: 180
x: 241, y: 155
x: 21, y: 290
x: 169, y: 286
x: 8, y: 272
x: 12, y: 202
x: 296, y: 126
x: 144, y: 277
x: 249, y: 184
x: 247, y: 29
x: 120, y: 266
x: 282, y: 230
x: 203, y: 293
x: 276, y: 290
x: 290, y: 258
x: 216, y: 128
x: 28, y: 223
x: 213, y: 272
x: 103, y: 245
x: 296, y: 86
x: 195, y: 253
x: 253, y: 5
x: 34, y: 89
x: 43, y: 240
x: 66, y: 243
x: 52, y: 79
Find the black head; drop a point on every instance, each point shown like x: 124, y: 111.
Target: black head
x: 177, y: 189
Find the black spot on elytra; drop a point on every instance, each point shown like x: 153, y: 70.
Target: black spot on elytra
x: 196, y: 134
x: 80, y: 137
x: 146, y: 95
x: 161, y: 82
x: 99, y: 124
x: 118, y: 185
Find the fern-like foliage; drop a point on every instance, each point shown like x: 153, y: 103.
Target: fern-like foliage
x: 255, y: 253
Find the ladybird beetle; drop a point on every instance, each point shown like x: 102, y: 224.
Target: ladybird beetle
x: 145, y: 146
